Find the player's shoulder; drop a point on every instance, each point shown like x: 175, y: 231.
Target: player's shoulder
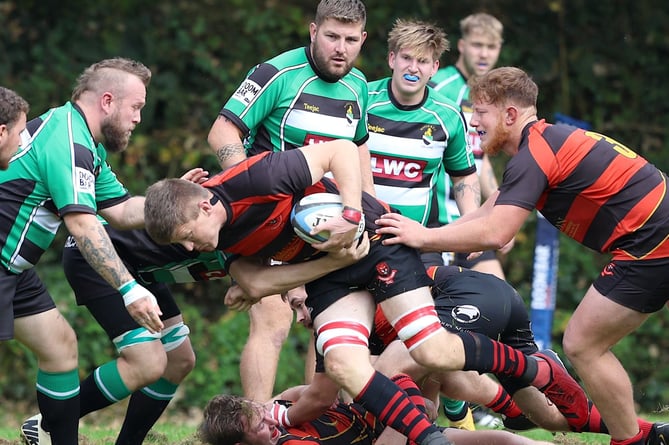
x: 439, y: 99
x: 378, y: 86
x: 356, y: 75
x: 447, y: 72
x: 292, y: 58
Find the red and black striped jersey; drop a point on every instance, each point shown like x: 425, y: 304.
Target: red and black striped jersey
x: 258, y: 195
x: 342, y: 424
x: 592, y: 188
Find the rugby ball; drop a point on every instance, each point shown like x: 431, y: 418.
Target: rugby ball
x: 315, y: 209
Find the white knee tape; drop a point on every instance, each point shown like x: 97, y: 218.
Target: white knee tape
x: 338, y: 333
x: 173, y: 336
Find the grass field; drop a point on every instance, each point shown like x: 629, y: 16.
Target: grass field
x: 101, y: 428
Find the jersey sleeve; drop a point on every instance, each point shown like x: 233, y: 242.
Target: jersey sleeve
x: 362, y: 130
x: 69, y: 175
x: 523, y: 182
x: 255, y: 98
x: 458, y: 157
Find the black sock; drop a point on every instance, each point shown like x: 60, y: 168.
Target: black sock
x: 57, y: 418
x: 485, y: 355
x: 92, y: 398
x: 393, y: 407
x: 143, y: 412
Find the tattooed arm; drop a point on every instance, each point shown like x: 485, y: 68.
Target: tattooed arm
x: 467, y: 193
x: 97, y: 248
x: 225, y: 139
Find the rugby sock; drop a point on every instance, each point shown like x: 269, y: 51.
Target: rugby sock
x: 393, y: 407
x: 485, y: 355
x: 407, y: 385
x: 454, y: 409
x: 635, y: 440
x: 144, y: 409
x: 58, y: 401
x: 644, y: 426
x: 504, y: 404
x: 101, y: 388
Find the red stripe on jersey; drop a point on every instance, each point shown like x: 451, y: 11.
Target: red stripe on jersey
x: 632, y: 220
x: 235, y: 170
x: 590, y: 200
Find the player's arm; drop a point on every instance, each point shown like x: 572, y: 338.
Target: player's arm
x: 127, y: 215
x: 313, y: 400
x: 258, y: 280
x: 225, y: 139
x: 487, y: 178
x: 366, y: 175
x: 467, y: 192
x: 490, y: 227
x: 97, y: 248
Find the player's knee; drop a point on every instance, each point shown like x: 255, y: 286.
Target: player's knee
x: 143, y: 353
x: 430, y: 358
x: 180, y: 363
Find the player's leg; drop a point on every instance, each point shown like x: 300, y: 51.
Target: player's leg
x: 149, y: 402
x: 40, y: 327
x: 597, y: 324
x: 270, y: 322
x: 418, y: 326
x: 343, y: 329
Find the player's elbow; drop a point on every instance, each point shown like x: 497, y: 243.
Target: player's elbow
x: 497, y: 240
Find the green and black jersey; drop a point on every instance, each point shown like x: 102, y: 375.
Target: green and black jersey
x: 60, y: 169
x: 284, y: 104
x: 410, y: 146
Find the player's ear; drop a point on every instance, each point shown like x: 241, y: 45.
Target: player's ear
x: 511, y: 115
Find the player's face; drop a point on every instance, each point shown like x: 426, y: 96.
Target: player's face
x: 10, y: 139
x: 262, y: 429
x: 479, y: 52
x: 296, y: 299
x: 198, y: 234
x: 411, y: 72
x: 125, y: 115
x: 488, y: 120
x: 334, y: 47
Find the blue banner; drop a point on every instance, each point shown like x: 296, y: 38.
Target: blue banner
x: 544, y: 281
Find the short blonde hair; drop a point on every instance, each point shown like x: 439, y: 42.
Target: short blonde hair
x: 483, y: 23
x: 423, y: 37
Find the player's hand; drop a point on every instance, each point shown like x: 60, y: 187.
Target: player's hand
x: 279, y: 414
x: 236, y: 299
x: 473, y: 255
x: 342, y: 234
x: 403, y: 230
x: 351, y: 255
x: 197, y: 175
x: 146, y: 312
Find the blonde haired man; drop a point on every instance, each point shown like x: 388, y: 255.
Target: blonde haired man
x: 479, y: 47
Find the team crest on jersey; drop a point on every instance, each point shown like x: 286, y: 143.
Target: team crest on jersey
x: 85, y: 180
x: 465, y: 313
x: 428, y: 136
x: 384, y: 273
x: 247, y: 91
x: 349, y: 114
